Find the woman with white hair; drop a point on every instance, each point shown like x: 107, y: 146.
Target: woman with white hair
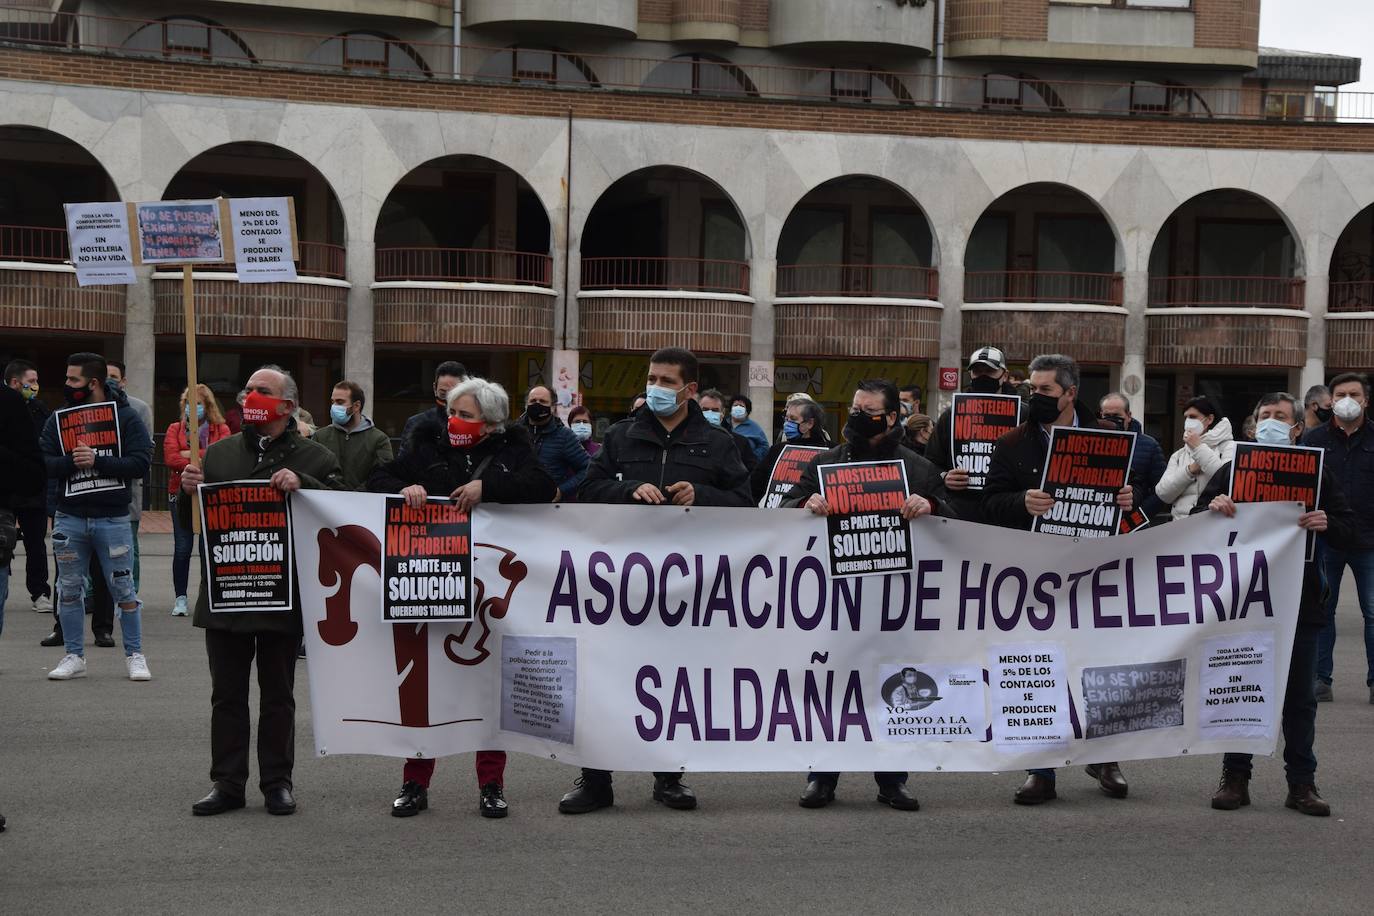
x: 477, y: 456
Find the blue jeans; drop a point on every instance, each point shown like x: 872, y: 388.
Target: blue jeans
x: 183, y: 543
x: 1299, y: 715
x: 1361, y: 563
x: 110, y: 540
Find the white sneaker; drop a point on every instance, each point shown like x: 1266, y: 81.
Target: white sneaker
x: 71, y: 666
x: 138, y: 667
x: 42, y: 605
x: 179, y: 609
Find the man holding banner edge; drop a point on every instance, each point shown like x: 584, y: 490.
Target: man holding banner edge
x: 268, y: 448
x: 872, y: 433
x: 1013, y: 499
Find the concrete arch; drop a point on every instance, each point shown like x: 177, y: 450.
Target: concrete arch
x: 1107, y: 217
x: 585, y: 217
x: 1299, y: 240
x: 904, y: 192
x: 94, y: 160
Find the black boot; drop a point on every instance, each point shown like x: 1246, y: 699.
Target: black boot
x: 590, y: 793
x: 670, y: 791
x: 493, y: 803
x: 411, y: 800
x: 818, y: 794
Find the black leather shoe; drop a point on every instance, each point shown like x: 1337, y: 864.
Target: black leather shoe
x: 52, y: 639
x: 493, y: 803
x: 674, y: 794
x: 1306, y: 800
x: 897, y: 796
x: 216, y: 802
x: 587, y: 795
x: 104, y: 640
x: 279, y: 801
x: 1036, y: 790
x: 1109, y: 779
x: 818, y: 794
x: 1323, y: 691
x: 411, y: 800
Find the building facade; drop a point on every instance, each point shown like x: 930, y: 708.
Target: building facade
x: 806, y: 192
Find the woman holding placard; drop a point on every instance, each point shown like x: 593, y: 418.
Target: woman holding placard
x: 477, y: 456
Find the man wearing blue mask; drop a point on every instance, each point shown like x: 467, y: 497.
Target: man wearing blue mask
x: 666, y: 453
x: 712, y: 404
x: 803, y: 424
x: 1278, y: 421
x: 1349, y: 443
x: 740, y: 409
x: 359, y: 445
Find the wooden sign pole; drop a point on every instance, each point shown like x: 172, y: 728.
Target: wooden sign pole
x: 188, y: 304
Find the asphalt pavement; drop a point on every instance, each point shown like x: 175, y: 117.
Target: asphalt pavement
x: 97, y: 777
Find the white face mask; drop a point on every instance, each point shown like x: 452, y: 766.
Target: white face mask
x: 1273, y: 432
x: 1192, y: 425
x: 1347, y: 409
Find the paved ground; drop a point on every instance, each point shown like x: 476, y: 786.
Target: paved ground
x: 97, y: 777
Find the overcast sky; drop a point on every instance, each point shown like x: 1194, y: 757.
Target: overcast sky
x: 1332, y: 26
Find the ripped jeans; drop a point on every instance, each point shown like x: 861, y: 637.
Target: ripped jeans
x: 74, y: 540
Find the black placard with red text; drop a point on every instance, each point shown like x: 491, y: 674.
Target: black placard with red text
x: 95, y: 426
x: 1278, y: 473
x: 248, y: 556
x: 865, y: 532
x: 787, y: 472
x: 1084, y: 471
x: 426, y: 562
x: 977, y: 421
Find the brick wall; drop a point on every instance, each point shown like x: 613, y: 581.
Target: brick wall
x: 273, y: 311
x: 463, y: 316
x: 762, y: 114
x: 1089, y: 337
x: 50, y: 300
x: 1226, y: 24
x: 753, y: 14
x: 1227, y: 340
x: 645, y: 323
x: 1349, y: 342
x: 974, y: 19
x: 655, y: 10
x: 856, y: 329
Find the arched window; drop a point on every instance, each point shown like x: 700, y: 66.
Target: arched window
x: 858, y: 84
x: 1019, y: 91
x: 1158, y: 98
x: 370, y: 52
x: 188, y: 38
x: 700, y: 74
x: 547, y: 65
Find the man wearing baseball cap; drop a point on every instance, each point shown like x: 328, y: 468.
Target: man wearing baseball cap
x: 987, y: 374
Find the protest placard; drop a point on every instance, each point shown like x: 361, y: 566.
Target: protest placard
x: 1133, y: 520
x: 1278, y: 473
x: 98, y: 235
x: 866, y: 534
x: 1084, y: 470
x: 787, y: 472
x: 248, y: 558
x: 179, y: 232
x: 264, y: 238
x: 977, y: 421
x: 97, y: 427
x: 426, y: 562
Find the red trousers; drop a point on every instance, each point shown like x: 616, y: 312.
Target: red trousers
x: 491, y: 767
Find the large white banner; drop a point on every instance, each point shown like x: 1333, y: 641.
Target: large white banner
x: 659, y: 638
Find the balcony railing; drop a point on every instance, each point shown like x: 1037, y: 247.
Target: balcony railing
x: 1042, y: 286
x: 317, y: 259
x: 1227, y: 292
x: 886, y: 280
x: 37, y: 244
x: 258, y: 48
x: 688, y: 274
x: 464, y: 265
x: 1351, y: 296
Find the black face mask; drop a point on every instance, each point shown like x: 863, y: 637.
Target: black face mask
x: 538, y: 413
x: 1043, y: 408
x: 984, y: 385
x: 75, y: 397
x: 1324, y: 413
x: 862, y: 427
x: 1118, y: 423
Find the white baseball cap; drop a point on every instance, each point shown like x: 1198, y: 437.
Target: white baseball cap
x: 988, y: 356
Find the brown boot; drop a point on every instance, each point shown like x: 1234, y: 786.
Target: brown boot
x: 1233, y: 792
x: 1306, y: 800
x: 1109, y: 779
x: 1036, y: 790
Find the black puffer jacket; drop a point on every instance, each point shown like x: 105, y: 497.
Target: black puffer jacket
x: 513, y: 475
x: 1340, y: 530
x: 639, y: 451
x: 921, y: 476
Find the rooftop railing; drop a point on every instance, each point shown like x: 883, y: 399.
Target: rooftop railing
x: 186, y: 39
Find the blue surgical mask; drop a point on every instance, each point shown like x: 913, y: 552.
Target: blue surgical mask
x: 662, y: 401
x: 790, y: 429
x: 338, y: 413
x: 583, y: 431
x: 738, y: 412
x: 712, y: 416
x: 1273, y: 432
x: 200, y: 412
